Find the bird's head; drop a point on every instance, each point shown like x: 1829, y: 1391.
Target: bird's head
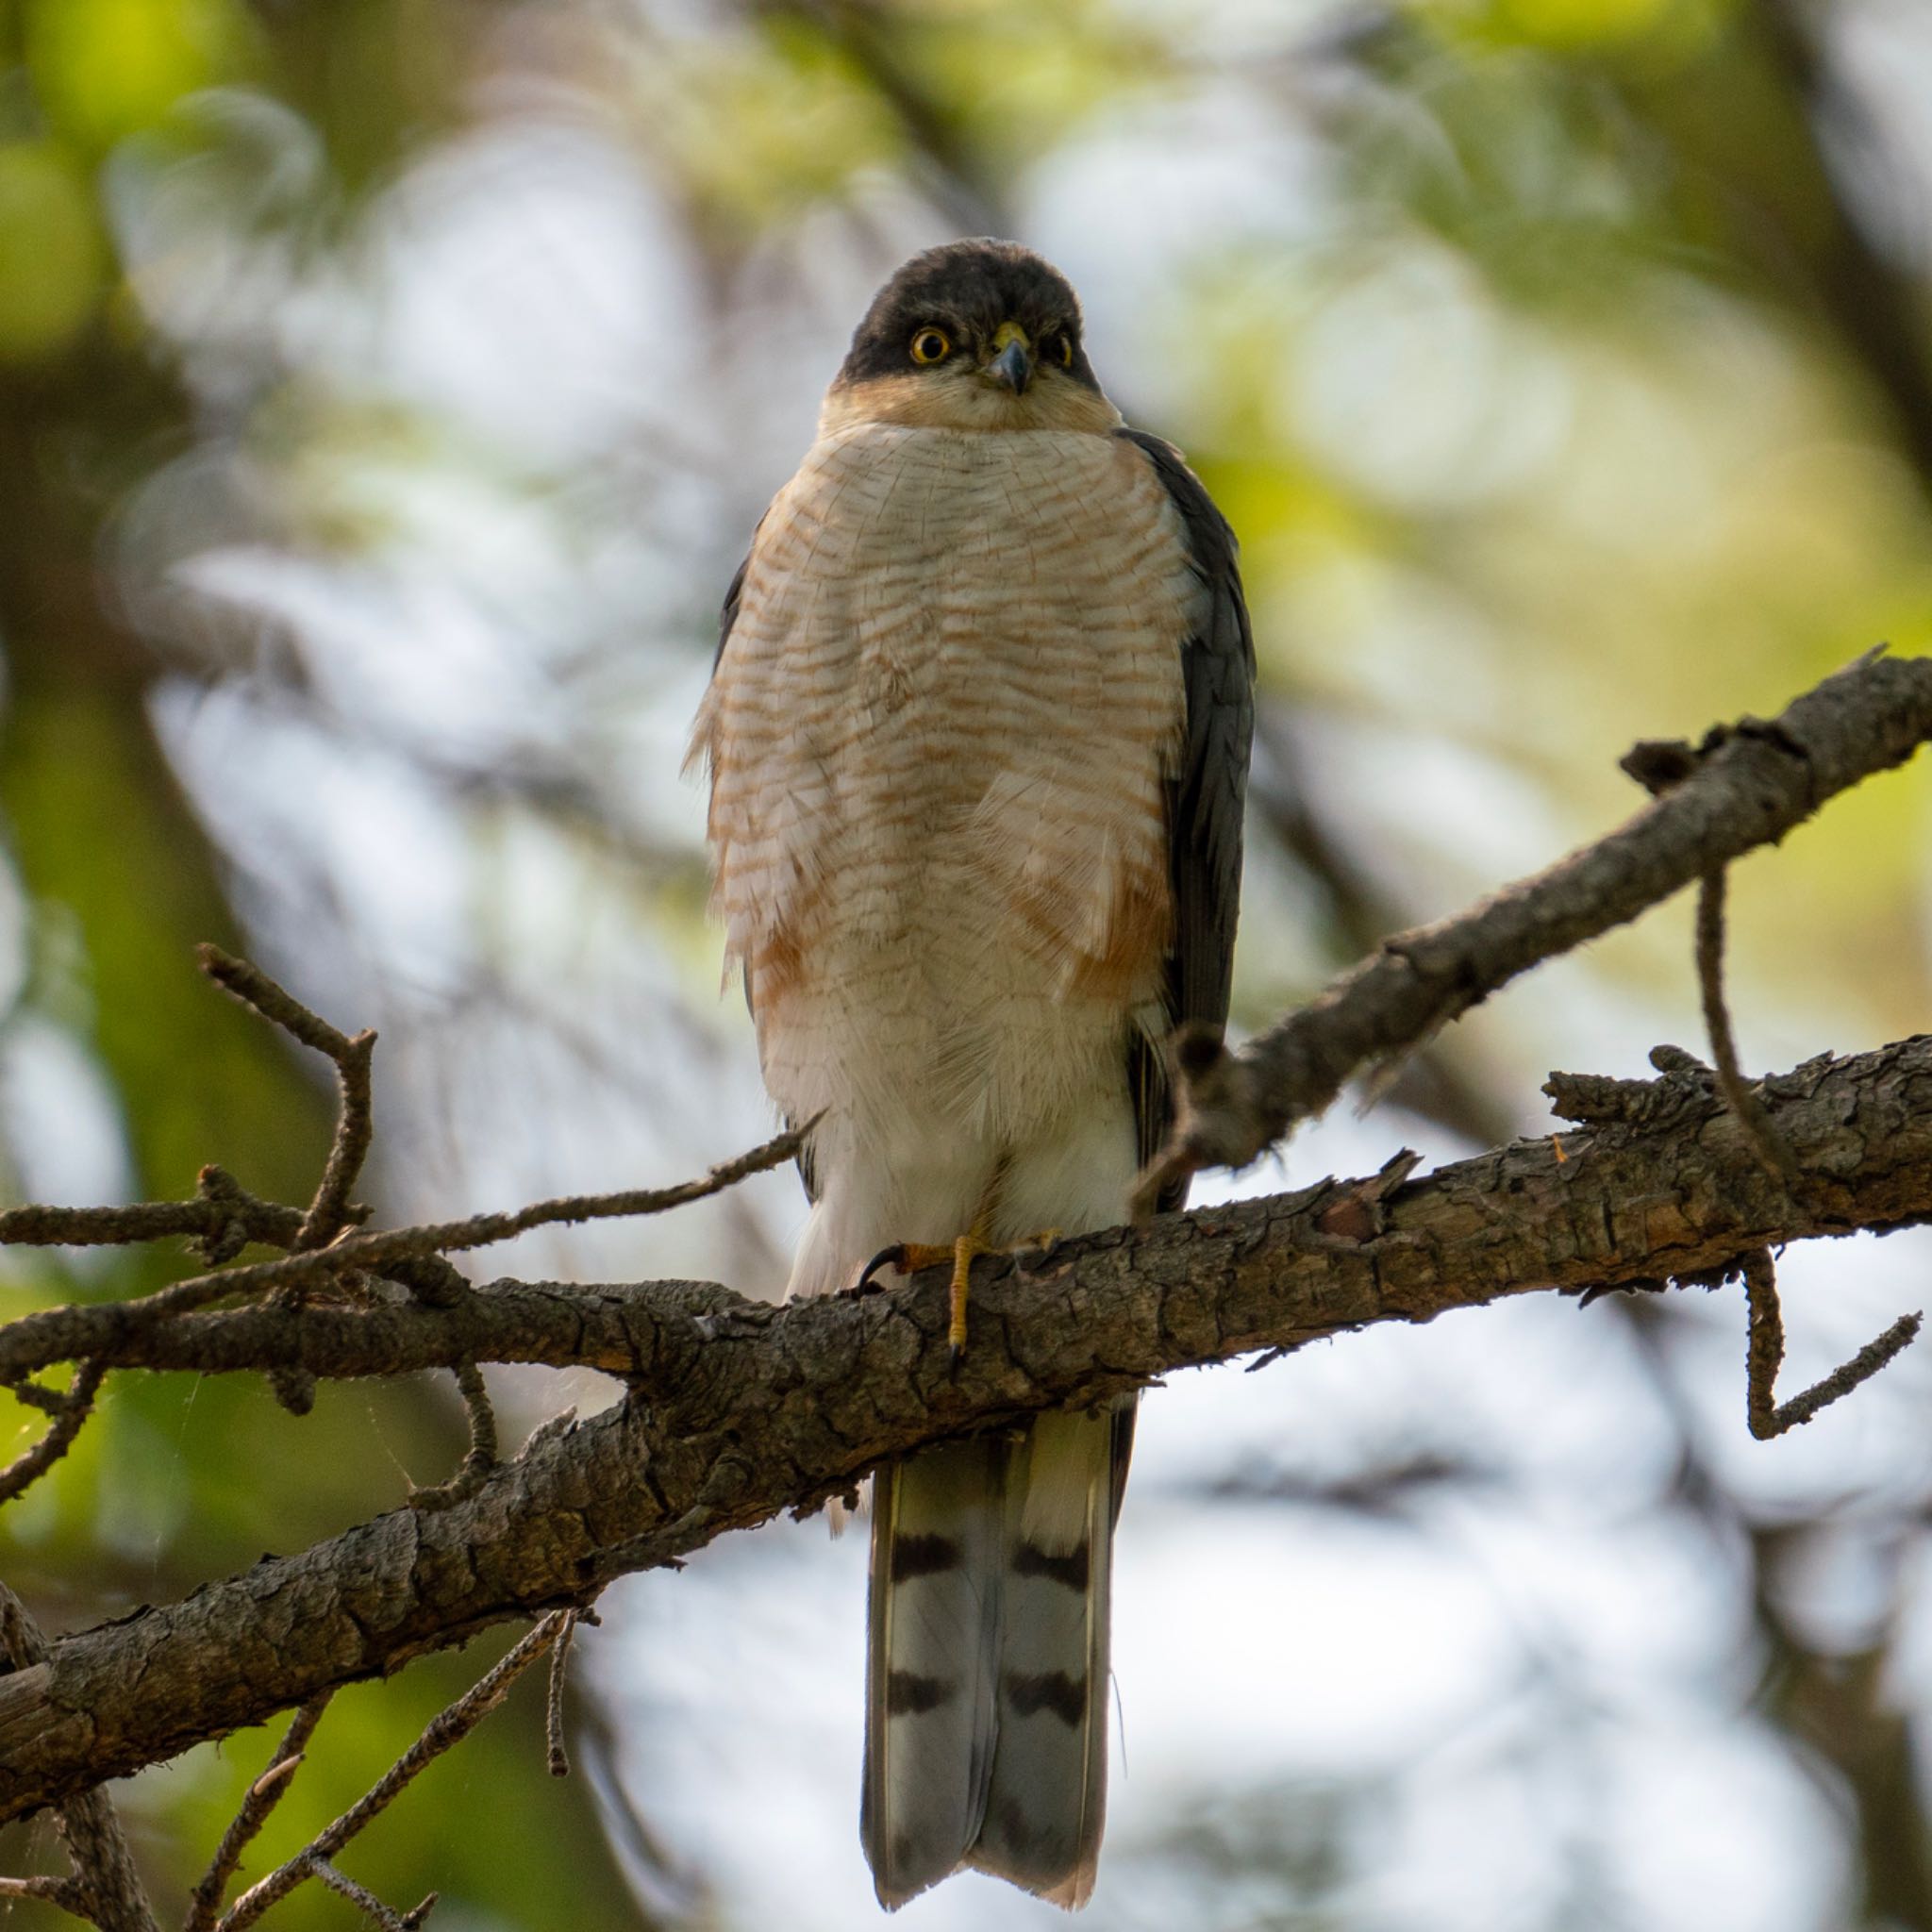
x: 973, y: 335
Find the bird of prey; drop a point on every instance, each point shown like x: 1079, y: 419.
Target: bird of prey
x: 977, y: 733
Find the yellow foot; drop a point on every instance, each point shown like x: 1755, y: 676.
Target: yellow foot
x: 908, y: 1258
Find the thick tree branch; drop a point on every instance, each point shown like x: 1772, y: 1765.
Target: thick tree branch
x: 740, y: 1409
x: 1745, y: 785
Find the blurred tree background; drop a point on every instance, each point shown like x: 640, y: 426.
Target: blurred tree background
x: 388, y: 388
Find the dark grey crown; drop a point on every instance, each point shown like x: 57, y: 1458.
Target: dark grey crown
x: 967, y: 288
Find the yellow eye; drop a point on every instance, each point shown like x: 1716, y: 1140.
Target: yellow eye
x: 929, y: 345
x: 1066, y: 343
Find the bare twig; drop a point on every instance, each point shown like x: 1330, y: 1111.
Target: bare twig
x: 264, y: 1794
x: 481, y: 1456
x: 328, y: 1212
x: 144, y: 1221
x: 1765, y: 1346
x: 249, y: 984
x: 67, y: 1893
x: 1744, y: 787
x: 69, y: 1411
x: 450, y: 1727
x: 557, y: 1757
x: 1765, y: 1354
x: 1753, y: 1115
x: 359, y: 1894
x: 52, y: 1335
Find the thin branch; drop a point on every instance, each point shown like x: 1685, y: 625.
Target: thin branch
x: 1753, y: 1116
x: 52, y: 1335
x: 263, y: 1795
x: 448, y: 1728
x: 143, y: 1221
x: 1433, y: 1084
x: 482, y: 1455
x: 556, y: 1756
x: 1765, y: 1344
x: 71, y: 1410
x: 1745, y: 785
x: 360, y: 1894
x: 249, y: 984
x: 328, y: 1212
x: 1765, y: 1353
x: 64, y: 1892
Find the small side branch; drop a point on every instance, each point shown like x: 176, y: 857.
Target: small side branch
x: 1765, y: 1354
x: 556, y: 1756
x: 1765, y: 1346
x: 68, y: 1411
x: 67, y: 1893
x: 1753, y: 1115
x: 360, y: 1895
x: 451, y: 1727
x: 482, y: 1456
x: 201, y: 1219
x: 328, y: 1212
x: 264, y: 1794
x: 53, y: 1335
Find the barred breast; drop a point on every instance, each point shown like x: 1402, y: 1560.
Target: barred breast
x: 938, y: 734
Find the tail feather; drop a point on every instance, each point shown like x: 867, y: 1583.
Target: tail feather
x: 933, y: 1654
x: 985, y: 1731
x: 1046, y: 1802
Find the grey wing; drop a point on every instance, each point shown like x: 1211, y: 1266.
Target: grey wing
x: 733, y: 596
x: 727, y: 616
x: 1206, y: 799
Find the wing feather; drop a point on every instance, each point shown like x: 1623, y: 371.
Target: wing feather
x: 1206, y: 798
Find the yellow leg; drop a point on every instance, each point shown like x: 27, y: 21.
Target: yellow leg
x: 908, y: 1258
x: 966, y: 1250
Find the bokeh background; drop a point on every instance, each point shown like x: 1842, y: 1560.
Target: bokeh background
x: 388, y: 388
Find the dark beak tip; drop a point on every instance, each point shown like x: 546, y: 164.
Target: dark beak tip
x: 1013, y: 369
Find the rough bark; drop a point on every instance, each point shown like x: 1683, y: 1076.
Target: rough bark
x: 739, y: 1410
x: 1746, y: 785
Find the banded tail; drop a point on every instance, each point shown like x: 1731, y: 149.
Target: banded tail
x: 986, y: 1675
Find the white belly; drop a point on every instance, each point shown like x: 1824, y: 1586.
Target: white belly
x: 939, y: 737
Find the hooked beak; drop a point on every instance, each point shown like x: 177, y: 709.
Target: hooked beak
x: 1012, y: 368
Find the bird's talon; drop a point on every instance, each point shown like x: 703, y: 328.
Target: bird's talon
x: 903, y: 1257
x: 908, y: 1258
x: 886, y: 1258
